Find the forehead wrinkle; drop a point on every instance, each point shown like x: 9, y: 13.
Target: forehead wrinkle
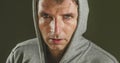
x: 58, y: 10
x: 52, y: 8
x: 65, y: 9
x: 49, y: 6
x: 52, y: 3
x: 49, y: 3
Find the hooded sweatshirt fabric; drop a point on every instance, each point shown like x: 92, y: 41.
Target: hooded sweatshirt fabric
x: 80, y: 50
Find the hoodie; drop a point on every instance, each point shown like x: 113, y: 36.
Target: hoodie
x: 80, y: 50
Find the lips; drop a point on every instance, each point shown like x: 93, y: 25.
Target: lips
x: 56, y: 41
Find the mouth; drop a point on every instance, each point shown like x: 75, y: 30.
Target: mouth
x: 56, y: 41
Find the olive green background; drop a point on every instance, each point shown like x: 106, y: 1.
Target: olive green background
x: 16, y: 25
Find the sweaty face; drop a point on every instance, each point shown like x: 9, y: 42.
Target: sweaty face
x: 57, y: 22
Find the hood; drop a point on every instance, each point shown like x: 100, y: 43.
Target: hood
x: 83, y: 11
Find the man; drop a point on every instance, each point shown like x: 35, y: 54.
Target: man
x: 59, y: 25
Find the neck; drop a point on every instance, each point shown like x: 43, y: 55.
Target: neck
x: 54, y: 56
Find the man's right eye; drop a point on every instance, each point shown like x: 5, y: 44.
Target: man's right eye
x: 46, y: 16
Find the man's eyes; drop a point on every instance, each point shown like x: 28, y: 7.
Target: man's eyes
x: 67, y: 16
x: 46, y: 16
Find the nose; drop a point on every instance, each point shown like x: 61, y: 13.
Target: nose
x: 58, y: 26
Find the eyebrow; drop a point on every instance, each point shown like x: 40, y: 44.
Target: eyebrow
x: 68, y: 14
x: 64, y: 14
x: 43, y: 13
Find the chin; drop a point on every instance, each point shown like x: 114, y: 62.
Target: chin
x: 57, y: 47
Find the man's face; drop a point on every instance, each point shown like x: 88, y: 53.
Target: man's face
x: 57, y: 22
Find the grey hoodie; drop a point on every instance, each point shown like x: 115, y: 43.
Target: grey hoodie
x: 80, y: 50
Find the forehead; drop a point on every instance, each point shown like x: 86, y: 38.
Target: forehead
x: 56, y: 5
x: 46, y: 3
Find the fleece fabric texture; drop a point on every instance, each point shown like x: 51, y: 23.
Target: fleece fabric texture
x: 80, y: 50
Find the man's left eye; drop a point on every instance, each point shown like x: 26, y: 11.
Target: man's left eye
x: 67, y: 17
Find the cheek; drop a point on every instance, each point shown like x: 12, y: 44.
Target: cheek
x: 42, y: 24
x: 70, y: 28
x: 41, y: 21
x: 44, y: 31
x: 43, y: 28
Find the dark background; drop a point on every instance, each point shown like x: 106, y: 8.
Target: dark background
x: 16, y: 25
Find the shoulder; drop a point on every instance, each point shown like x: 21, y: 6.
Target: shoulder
x: 31, y: 43
x: 26, y: 46
x: 25, y: 50
x: 98, y: 55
